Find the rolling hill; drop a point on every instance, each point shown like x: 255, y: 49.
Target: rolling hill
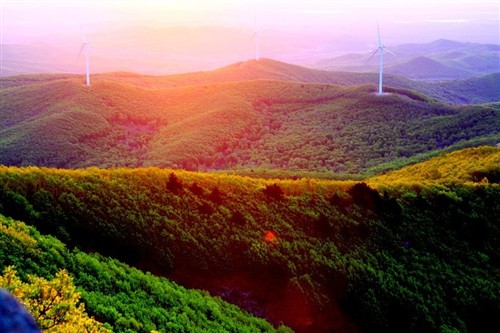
x: 473, y: 90
x: 130, y: 120
x: 484, y: 89
x: 425, y: 68
x: 398, y: 254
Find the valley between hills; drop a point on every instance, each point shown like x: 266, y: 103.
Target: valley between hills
x: 260, y: 197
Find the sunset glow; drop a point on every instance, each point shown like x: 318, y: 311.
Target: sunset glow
x: 22, y: 20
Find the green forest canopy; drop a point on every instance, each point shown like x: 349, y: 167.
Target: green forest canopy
x: 395, y: 254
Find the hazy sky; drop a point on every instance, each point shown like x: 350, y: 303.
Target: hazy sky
x: 401, y: 21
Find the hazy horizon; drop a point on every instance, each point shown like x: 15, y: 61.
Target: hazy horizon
x: 404, y: 21
x: 174, y: 36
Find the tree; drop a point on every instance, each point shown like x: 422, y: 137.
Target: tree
x: 196, y: 189
x: 215, y: 196
x: 174, y: 185
x: 54, y: 304
x: 274, y: 191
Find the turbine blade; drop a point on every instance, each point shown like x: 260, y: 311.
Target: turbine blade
x: 81, y: 50
x: 386, y: 49
x: 373, y: 54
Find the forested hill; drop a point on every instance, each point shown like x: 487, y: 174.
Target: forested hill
x: 230, y: 126
x: 396, y: 255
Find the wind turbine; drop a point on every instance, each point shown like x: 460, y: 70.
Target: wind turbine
x: 85, y: 46
x: 381, y: 48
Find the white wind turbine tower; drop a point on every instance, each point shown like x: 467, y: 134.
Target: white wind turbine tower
x: 85, y: 46
x: 381, y: 48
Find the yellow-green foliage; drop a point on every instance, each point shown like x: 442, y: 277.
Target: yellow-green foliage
x: 19, y: 232
x: 54, y: 304
x: 480, y: 164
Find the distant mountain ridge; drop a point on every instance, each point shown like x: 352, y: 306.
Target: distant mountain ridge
x: 162, y: 51
x: 423, y: 67
x: 438, y: 60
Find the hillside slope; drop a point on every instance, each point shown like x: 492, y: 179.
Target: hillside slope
x: 124, y: 298
x: 427, y: 68
x: 473, y: 165
x: 236, y: 125
x: 319, y: 256
x: 473, y: 90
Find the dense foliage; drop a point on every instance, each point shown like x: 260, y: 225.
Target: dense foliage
x: 476, y: 164
x: 242, y: 125
x: 470, y: 91
x: 398, y: 255
x: 126, y: 299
